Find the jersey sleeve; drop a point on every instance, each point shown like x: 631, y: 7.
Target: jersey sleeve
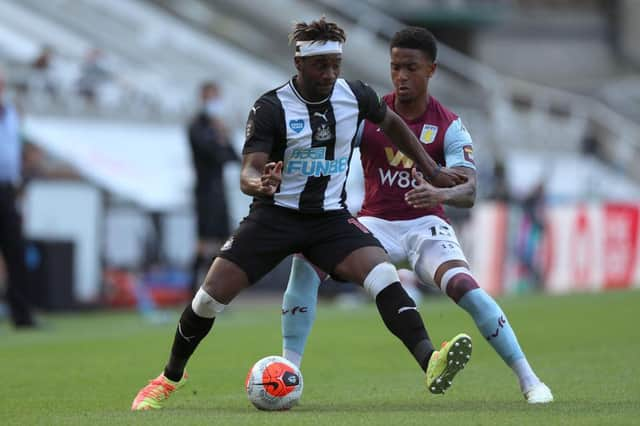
x: 458, y: 147
x: 261, y: 128
x: 371, y: 106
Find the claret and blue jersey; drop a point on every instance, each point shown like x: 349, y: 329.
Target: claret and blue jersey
x: 442, y: 135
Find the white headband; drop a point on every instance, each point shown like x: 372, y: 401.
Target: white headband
x: 315, y: 47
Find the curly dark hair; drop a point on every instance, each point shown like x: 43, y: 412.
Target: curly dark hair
x: 416, y: 38
x: 320, y: 30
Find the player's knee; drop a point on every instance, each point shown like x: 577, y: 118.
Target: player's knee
x: 206, y: 306
x: 456, y: 282
x: 422, y: 269
x: 424, y: 265
x: 380, y: 277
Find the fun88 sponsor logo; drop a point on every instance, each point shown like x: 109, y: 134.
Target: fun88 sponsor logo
x: 311, y: 162
x: 399, y: 178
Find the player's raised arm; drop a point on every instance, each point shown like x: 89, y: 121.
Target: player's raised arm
x: 406, y: 141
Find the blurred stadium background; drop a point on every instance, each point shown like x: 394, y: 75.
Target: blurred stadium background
x: 549, y: 89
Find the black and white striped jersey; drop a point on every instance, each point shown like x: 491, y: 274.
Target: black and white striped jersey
x: 314, y: 140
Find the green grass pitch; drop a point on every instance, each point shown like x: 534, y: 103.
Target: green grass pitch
x: 86, y: 369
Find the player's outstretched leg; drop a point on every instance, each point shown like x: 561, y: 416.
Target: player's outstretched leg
x: 195, y: 323
x: 459, y: 284
x: 447, y: 362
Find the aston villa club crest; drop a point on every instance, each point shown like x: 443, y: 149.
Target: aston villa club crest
x: 323, y: 133
x: 428, y: 133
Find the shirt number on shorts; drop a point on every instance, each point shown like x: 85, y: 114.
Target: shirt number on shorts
x: 443, y: 230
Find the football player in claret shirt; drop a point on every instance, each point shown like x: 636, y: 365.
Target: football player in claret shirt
x: 404, y: 211
x: 299, y: 139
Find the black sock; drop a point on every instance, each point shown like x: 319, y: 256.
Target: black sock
x: 398, y: 312
x: 190, y: 331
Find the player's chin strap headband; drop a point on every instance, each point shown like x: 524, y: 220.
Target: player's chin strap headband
x: 315, y: 47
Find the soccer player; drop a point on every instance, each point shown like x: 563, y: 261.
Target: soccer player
x: 405, y: 212
x: 299, y: 139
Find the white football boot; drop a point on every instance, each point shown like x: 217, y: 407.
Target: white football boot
x: 539, y: 394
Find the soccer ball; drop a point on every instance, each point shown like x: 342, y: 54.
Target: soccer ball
x: 274, y: 383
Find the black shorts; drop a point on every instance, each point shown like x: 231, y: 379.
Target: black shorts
x: 270, y: 233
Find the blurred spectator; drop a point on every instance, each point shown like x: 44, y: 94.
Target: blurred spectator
x: 210, y: 149
x: 44, y: 71
x: 531, y: 236
x: 94, y: 73
x: 591, y: 143
x: 12, y: 242
x: 500, y: 186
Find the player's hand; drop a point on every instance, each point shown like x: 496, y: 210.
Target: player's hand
x: 424, y: 194
x: 271, y: 178
x: 445, y: 178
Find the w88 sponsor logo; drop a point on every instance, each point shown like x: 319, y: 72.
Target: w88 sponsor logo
x: 399, y: 178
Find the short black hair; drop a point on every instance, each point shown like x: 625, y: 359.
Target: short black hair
x: 320, y: 30
x: 416, y: 38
